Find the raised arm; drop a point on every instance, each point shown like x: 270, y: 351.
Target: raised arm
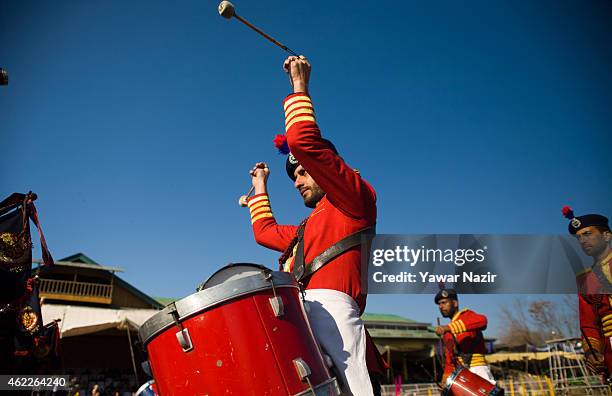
x: 265, y: 228
x: 343, y: 185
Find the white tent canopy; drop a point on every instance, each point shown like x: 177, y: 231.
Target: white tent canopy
x: 79, y: 320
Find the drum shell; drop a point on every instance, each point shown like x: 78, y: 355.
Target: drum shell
x: 239, y: 347
x: 465, y: 383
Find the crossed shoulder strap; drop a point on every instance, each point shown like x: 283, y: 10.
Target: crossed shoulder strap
x: 605, y: 285
x: 302, y: 270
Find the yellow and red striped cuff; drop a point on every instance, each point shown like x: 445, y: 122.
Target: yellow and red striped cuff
x: 606, y: 322
x: 259, y: 206
x: 298, y: 108
x: 457, y: 326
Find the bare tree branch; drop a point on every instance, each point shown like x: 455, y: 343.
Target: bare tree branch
x: 537, y: 321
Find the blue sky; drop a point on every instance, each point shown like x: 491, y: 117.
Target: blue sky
x: 136, y: 122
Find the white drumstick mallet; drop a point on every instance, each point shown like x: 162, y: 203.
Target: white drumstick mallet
x: 227, y: 11
x: 243, y: 199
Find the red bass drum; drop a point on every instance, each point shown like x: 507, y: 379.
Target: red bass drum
x: 244, y: 332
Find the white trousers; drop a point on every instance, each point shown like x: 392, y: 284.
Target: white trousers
x: 337, y: 326
x: 484, y: 372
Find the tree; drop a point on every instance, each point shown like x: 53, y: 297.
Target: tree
x: 535, y: 322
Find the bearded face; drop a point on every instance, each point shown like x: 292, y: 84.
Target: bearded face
x: 309, y: 190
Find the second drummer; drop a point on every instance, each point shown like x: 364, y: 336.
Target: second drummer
x: 464, y: 343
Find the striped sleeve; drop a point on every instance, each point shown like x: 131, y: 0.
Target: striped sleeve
x: 457, y: 327
x: 266, y: 230
x: 344, y: 187
x: 606, y: 322
x: 298, y: 108
x: 259, y: 206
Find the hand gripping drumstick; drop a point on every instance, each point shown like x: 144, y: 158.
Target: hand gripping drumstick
x: 227, y: 10
x: 243, y: 199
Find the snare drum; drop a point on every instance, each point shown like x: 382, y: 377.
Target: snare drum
x: 462, y: 382
x: 244, y: 332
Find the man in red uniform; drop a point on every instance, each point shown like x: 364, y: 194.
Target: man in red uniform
x: 594, y: 289
x: 462, y: 337
x: 324, y: 251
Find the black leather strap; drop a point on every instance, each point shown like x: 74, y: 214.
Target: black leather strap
x: 336, y: 249
x: 301, y: 271
x: 298, y: 261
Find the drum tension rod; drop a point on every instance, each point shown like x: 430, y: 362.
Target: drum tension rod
x: 183, y: 334
x: 276, y: 302
x: 304, y: 372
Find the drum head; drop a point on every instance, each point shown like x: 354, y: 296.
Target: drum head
x: 230, y: 282
x: 233, y: 272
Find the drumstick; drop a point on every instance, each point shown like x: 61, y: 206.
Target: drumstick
x: 435, y: 380
x: 439, y: 357
x: 595, y: 352
x: 440, y: 346
x: 456, y: 344
x: 242, y: 201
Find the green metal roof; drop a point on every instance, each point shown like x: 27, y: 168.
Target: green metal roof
x: 79, y: 258
x: 395, y: 326
x: 388, y: 318
x: 165, y: 300
x: 397, y: 333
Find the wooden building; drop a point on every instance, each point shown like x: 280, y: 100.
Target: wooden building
x: 99, y: 316
x: 407, y: 346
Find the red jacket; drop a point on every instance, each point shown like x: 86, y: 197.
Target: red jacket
x: 467, y: 327
x: 349, y: 205
x: 595, y: 311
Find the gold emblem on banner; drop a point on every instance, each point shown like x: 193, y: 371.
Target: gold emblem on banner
x: 13, y: 250
x: 28, y: 320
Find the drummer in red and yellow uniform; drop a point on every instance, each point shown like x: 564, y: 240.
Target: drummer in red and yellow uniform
x: 343, y: 204
x: 462, y: 338
x: 595, y: 289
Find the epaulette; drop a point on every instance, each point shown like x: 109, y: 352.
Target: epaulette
x: 458, y: 314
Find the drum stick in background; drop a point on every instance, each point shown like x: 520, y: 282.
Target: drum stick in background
x: 431, y: 376
x: 455, y: 341
x: 227, y: 10
x: 243, y: 199
x: 595, y: 352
